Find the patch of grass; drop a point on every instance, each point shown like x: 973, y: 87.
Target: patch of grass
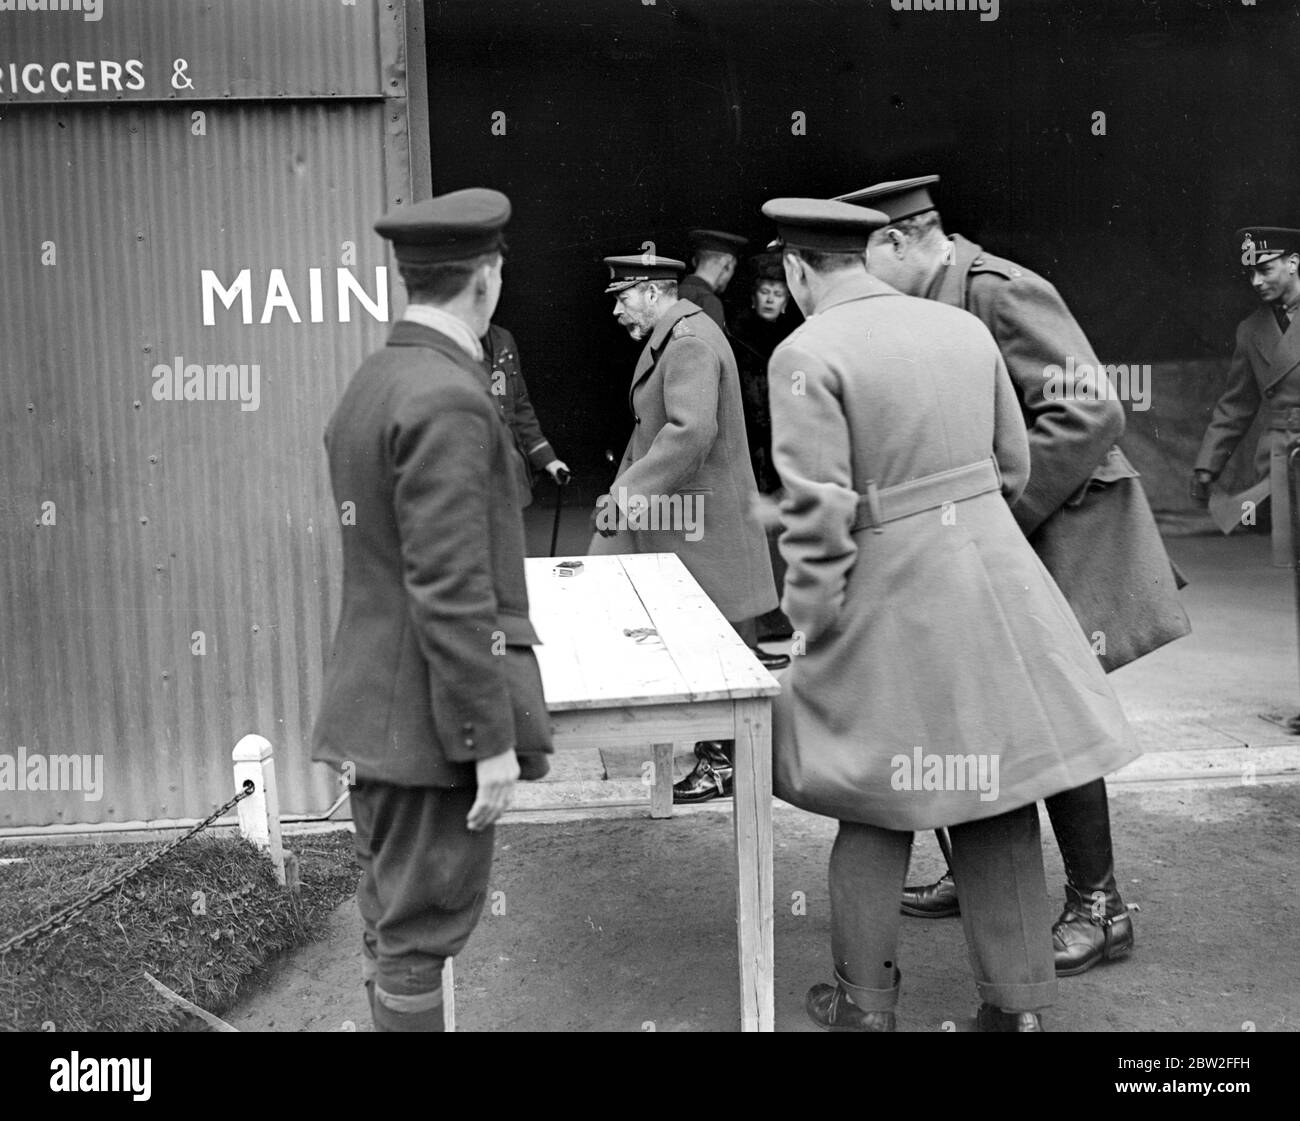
x: 203, y: 920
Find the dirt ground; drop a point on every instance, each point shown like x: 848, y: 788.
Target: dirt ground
x: 628, y: 924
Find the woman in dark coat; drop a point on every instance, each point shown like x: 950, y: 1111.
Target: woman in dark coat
x: 756, y: 332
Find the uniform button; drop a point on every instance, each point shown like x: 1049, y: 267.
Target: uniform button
x: 638, y: 420
x: 1269, y: 392
x: 467, y: 727
x: 469, y: 741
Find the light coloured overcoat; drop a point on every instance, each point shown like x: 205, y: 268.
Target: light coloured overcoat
x: 940, y: 635
x: 688, y: 452
x: 1265, y: 373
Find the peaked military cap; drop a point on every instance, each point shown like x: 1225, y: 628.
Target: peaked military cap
x: 627, y: 272
x: 1260, y: 244
x: 451, y: 227
x: 898, y: 198
x: 715, y: 241
x: 823, y: 224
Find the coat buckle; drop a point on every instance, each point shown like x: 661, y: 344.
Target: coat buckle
x: 874, y: 508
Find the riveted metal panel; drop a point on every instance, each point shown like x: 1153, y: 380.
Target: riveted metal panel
x: 168, y: 568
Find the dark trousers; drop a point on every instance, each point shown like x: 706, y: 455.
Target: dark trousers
x: 424, y: 878
x: 1081, y: 821
x: 999, y: 865
x: 775, y: 624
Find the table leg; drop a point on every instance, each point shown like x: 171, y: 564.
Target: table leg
x: 448, y: 996
x: 753, y: 819
x: 661, y: 790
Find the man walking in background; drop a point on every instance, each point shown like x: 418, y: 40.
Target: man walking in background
x: 1265, y: 371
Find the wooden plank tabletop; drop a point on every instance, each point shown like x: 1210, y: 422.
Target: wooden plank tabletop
x: 586, y: 659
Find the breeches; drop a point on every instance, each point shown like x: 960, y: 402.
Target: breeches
x: 423, y: 883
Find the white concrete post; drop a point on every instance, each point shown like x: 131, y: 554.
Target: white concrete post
x: 259, y: 813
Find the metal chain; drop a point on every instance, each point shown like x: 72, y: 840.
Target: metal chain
x: 65, y: 917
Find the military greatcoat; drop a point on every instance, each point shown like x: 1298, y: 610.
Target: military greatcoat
x: 1084, y: 509
x: 689, y: 441
x: 926, y: 628
x: 1265, y: 372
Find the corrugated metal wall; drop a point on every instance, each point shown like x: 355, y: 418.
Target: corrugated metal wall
x: 171, y: 518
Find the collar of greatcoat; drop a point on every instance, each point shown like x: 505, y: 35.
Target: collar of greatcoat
x: 950, y: 283
x: 680, y: 310
x: 857, y: 287
x: 1280, y: 352
x: 657, y: 341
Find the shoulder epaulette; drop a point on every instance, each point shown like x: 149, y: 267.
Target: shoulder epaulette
x: 986, y: 262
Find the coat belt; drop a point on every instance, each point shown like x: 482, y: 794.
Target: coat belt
x: 880, y: 505
x: 1284, y: 418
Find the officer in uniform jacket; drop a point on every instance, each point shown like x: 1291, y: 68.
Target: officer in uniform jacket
x: 1265, y: 372
x: 432, y: 703
x: 934, y: 635
x: 715, y: 255
x: 506, y: 382
x: 1083, y: 510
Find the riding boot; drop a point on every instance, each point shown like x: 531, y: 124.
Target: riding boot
x: 713, y: 776
x: 1095, y: 925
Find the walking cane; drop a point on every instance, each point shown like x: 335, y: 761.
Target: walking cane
x: 1293, y: 512
x: 946, y: 845
x: 562, y: 479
